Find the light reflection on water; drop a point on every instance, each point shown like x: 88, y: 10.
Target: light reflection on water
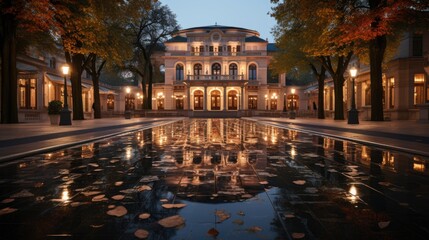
x: 269, y: 180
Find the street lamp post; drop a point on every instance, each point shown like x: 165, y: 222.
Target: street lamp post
x: 65, y: 114
x: 127, y: 103
x: 292, y: 111
x: 353, y: 113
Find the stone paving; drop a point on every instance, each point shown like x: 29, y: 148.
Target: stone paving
x: 246, y: 179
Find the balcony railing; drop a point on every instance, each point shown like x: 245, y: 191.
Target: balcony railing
x: 215, y: 77
x: 245, y: 53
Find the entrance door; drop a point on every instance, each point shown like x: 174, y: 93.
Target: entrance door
x: 232, y: 100
x: 198, y: 100
x: 215, y: 100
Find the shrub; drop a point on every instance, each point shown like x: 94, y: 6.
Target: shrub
x: 54, y: 107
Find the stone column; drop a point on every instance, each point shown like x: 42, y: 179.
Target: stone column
x: 224, y: 98
x: 205, y: 98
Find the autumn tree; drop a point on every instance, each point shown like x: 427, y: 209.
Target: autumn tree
x: 29, y: 16
x: 372, y: 21
x: 314, y: 28
x: 149, y: 32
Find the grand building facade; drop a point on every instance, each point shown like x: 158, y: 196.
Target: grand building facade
x: 213, y: 70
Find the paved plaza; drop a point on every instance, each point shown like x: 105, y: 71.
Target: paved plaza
x: 181, y: 178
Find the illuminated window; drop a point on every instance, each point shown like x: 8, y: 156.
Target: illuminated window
x: 233, y: 70
x: 27, y: 93
x: 232, y: 100
x: 253, y: 102
x: 198, y: 100
x: 198, y: 69
x: 216, y: 70
x: 419, y: 80
x: 215, y: 100
x: 110, y: 102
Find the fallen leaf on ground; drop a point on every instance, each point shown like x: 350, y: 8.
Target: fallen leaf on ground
x: 254, y: 229
x: 241, y: 213
x: 171, y: 205
x: 222, y: 215
x: 299, y: 182
x: 77, y: 204
x: 99, y: 198
x: 22, y: 194
x: 298, y: 235
x: 173, y: 221
x: 144, y: 188
x: 91, y: 193
x: 213, y: 232
x: 7, y: 210
x: 144, y: 216
x: 93, y: 165
x: 8, y: 200
x: 141, y: 233
x: 38, y: 185
x: 97, y: 226
x: 238, y: 222
x: 117, y: 184
x: 118, y: 197
x: 163, y: 200
x: 383, y: 225
x: 263, y: 182
x: 111, y: 206
x: 118, y: 211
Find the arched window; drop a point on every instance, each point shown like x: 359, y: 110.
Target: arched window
x: 179, y: 72
x: 216, y: 70
x: 233, y: 71
x: 252, y: 72
x: 198, y: 100
x: 215, y: 100
x: 198, y: 69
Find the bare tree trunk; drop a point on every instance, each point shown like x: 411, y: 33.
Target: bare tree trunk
x: 377, y: 48
x: 320, y: 96
x: 149, y: 90
x: 9, y: 84
x: 76, y: 79
x: 339, y: 104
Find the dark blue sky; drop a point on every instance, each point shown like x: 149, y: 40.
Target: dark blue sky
x: 251, y: 14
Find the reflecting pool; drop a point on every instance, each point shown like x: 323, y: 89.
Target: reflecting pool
x: 216, y: 179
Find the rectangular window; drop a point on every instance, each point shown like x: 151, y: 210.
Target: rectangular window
x: 391, y: 92
x: 211, y: 49
x: 238, y: 48
x: 179, y: 103
x: 419, y: 80
x: 27, y: 93
x: 417, y: 45
x: 229, y: 48
x: 201, y: 48
x: 110, y: 102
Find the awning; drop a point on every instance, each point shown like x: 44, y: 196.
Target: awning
x: 104, y: 90
x: 57, y: 79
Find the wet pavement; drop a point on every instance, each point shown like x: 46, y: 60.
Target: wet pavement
x: 244, y: 179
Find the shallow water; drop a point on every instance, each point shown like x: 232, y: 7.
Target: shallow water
x: 247, y: 181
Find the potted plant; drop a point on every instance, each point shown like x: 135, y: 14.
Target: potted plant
x: 54, y: 110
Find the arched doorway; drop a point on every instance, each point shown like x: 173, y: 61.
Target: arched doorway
x: 215, y: 100
x: 232, y: 100
x: 216, y: 70
x: 198, y: 100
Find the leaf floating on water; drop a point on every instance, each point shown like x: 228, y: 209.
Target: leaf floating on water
x: 221, y: 216
x: 163, y: 200
x: 144, y: 216
x: 93, y: 165
x: 213, y: 232
x: 38, y: 185
x: 171, y: 205
x: 64, y: 171
x: 97, y: 226
x: 332, y: 170
x: 77, y: 204
x: 118, y: 197
x: 114, y: 161
x: 263, y: 182
x: 127, y: 191
x: 99, y: 198
x: 173, y: 221
x: 246, y: 196
x: 111, y: 206
x: 144, y: 188
x: 241, y: 213
x: 98, y: 170
x: 383, y: 225
x: 91, y: 193
x: 8, y: 200
x: 7, y: 210
x: 117, y: 184
x: 298, y: 235
x: 147, y: 179
x: 22, y: 194
x: 141, y: 234
x: 118, y: 211
x: 254, y: 229
x: 238, y: 222
x: 299, y: 182
x: 384, y: 184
